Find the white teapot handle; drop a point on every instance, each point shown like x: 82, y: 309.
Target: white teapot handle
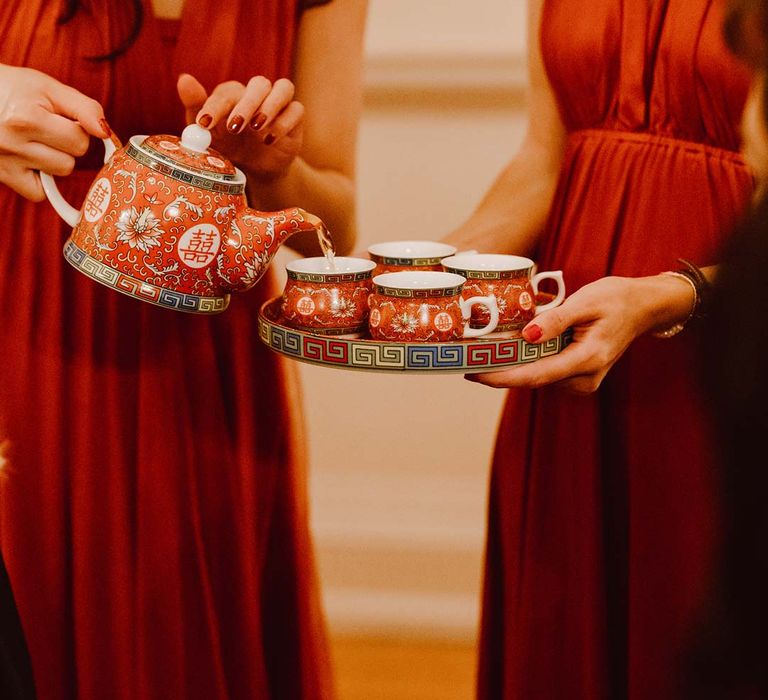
x: 63, y: 208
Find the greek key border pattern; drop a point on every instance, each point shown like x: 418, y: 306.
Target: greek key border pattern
x: 363, y: 354
x: 418, y: 293
x: 325, y: 278
x: 489, y: 274
x: 416, y: 262
x: 177, y: 173
x: 143, y: 291
x: 330, y: 331
x: 165, y: 158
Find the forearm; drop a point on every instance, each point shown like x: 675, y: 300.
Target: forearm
x: 327, y: 193
x: 511, y: 216
x: 665, y: 300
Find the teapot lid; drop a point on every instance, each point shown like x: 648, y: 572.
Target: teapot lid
x: 191, y: 153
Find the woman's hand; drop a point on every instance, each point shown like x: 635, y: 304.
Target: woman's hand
x: 606, y: 316
x: 259, y: 125
x: 44, y: 125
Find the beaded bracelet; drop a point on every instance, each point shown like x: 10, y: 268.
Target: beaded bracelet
x: 700, y: 286
x: 703, y: 287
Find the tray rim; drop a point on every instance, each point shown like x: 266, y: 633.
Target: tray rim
x: 266, y: 325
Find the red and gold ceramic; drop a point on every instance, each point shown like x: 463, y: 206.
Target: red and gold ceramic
x: 424, y: 306
x: 401, y: 256
x: 166, y: 221
x: 511, y: 279
x: 328, y: 300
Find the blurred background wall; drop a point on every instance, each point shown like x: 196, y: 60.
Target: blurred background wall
x: 399, y: 464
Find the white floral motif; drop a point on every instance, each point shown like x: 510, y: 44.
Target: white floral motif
x: 172, y: 210
x: 99, y: 241
x: 346, y: 308
x: 162, y: 270
x: 222, y: 214
x: 139, y: 229
x: 254, y: 270
x: 404, y: 323
x: 131, y: 183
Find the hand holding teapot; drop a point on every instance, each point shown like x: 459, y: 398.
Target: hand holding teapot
x: 44, y: 125
x: 258, y: 125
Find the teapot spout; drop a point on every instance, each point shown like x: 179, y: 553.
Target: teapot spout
x: 253, y: 240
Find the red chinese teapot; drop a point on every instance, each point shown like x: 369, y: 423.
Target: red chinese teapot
x: 166, y: 221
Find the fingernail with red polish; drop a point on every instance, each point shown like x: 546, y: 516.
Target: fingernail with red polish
x: 105, y: 126
x: 235, y: 124
x: 258, y: 121
x: 269, y: 140
x: 532, y: 333
x: 205, y: 120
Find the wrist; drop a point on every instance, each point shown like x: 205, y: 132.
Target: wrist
x: 698, y: 280
x: 270, y: 189
x: 665, y: 302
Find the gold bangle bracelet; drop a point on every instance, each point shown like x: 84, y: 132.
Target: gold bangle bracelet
x: 703, y: 286
x: 674, y: 330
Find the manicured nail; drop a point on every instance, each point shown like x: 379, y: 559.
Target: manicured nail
x: 532, y: 333
x: 205, y: 120
x: 105, y: 126
x: 269, y: 140
x: 235, y: 124
x: 258, y: 121
x: 470, y: 377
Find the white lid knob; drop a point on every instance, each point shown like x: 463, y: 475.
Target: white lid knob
x: 195, y: 138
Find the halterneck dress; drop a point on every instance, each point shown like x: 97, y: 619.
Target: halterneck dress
x: 154, y: 519
x: 603, y: 510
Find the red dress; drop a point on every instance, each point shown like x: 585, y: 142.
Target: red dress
x: 154, y: 516
x: 603, y: 509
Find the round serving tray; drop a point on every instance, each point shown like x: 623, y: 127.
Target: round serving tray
x: 465, y: 357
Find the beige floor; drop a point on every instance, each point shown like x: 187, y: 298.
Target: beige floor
x: 385, y: 669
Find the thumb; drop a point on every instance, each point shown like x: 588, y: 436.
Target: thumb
x: 73, y: 104
x: 192, y: 94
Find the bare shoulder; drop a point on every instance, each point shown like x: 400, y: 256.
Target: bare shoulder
x: 328, y: 73
x: 350, y: 13
x: 546, y: 129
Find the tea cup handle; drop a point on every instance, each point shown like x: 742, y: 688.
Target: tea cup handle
x: 466, y: 312
x: 63, y: 208
x: 558, y: 277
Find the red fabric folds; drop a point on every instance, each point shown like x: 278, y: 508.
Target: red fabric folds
x: 603, y: 510
x: 153, y: 514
